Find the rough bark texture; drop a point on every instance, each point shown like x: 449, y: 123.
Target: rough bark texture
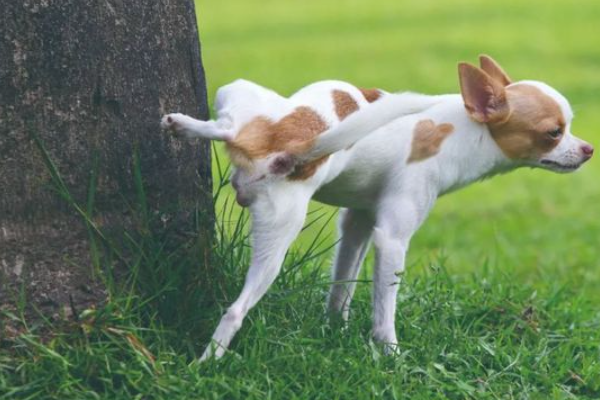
x: 91, y: 80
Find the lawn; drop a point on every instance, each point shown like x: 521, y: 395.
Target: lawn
x: 501, y: 293
x: 532, y: 223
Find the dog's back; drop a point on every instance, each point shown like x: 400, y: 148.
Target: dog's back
x: 265, y: 124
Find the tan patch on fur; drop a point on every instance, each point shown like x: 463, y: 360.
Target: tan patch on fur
x: 293, y: 134
x: 344, y: 103
x: 427, y: 139
x: 524, y: 135
x: 370, y: 94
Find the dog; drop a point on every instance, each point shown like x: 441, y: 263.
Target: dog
x: 383, y: 158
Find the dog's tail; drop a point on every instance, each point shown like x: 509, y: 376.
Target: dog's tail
x: 362, y: 123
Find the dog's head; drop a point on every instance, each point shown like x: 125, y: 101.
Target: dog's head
x: 529, y: 120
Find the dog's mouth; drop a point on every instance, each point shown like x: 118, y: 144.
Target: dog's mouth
x: 559, y: 167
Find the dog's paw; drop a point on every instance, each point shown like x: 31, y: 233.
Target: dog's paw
x: 169, y: 121
x: 173, y: 123
x: 391, y: 349
x: 386, y: 339
x: 213, y: 351
x: 381, y: 349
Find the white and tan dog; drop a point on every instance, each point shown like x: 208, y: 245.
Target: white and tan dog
x: 385, y: 158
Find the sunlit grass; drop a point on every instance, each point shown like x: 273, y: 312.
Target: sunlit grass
x: 535, y: 223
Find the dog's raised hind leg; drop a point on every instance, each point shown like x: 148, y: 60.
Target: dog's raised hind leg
x: 185, y: 126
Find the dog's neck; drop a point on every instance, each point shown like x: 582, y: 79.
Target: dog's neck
x: 470, y: 153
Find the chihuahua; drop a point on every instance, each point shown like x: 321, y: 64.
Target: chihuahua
x: 383, y: 158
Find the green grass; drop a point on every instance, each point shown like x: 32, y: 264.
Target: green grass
x: 501, y: 293
x: 480, y: 336
x: 533, y: 222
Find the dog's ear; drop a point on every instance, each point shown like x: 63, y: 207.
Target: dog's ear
x: 493, y: 69
x: 484, y: 97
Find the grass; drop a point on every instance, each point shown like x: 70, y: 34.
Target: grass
x: 500, y: 299
x: 534, y: 223
x: 481, y: 336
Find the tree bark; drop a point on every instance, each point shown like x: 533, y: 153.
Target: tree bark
x: 91, y: 79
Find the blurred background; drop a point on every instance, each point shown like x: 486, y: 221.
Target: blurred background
x: 535, y: 224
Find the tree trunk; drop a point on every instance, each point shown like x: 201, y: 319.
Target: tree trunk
x: 91, y: 80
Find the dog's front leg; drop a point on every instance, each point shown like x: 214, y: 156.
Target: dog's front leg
x: 390, y: 253
x: 396, y: 222
x: 276, y: 221
x: 355, y: 228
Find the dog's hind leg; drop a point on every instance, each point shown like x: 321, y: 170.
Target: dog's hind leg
x: 277, y: 218
x: 355, y: 228
x: 235, y: 104
x: 190, y: 128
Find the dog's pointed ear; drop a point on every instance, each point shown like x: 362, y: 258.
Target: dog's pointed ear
x: 484, y: 97
x: 493, y: 69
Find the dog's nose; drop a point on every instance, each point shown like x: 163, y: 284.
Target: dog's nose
x: 587, y: 151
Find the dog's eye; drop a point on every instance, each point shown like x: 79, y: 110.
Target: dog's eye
x: 555, y: 134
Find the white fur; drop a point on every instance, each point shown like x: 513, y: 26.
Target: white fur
x: 385, y: 197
